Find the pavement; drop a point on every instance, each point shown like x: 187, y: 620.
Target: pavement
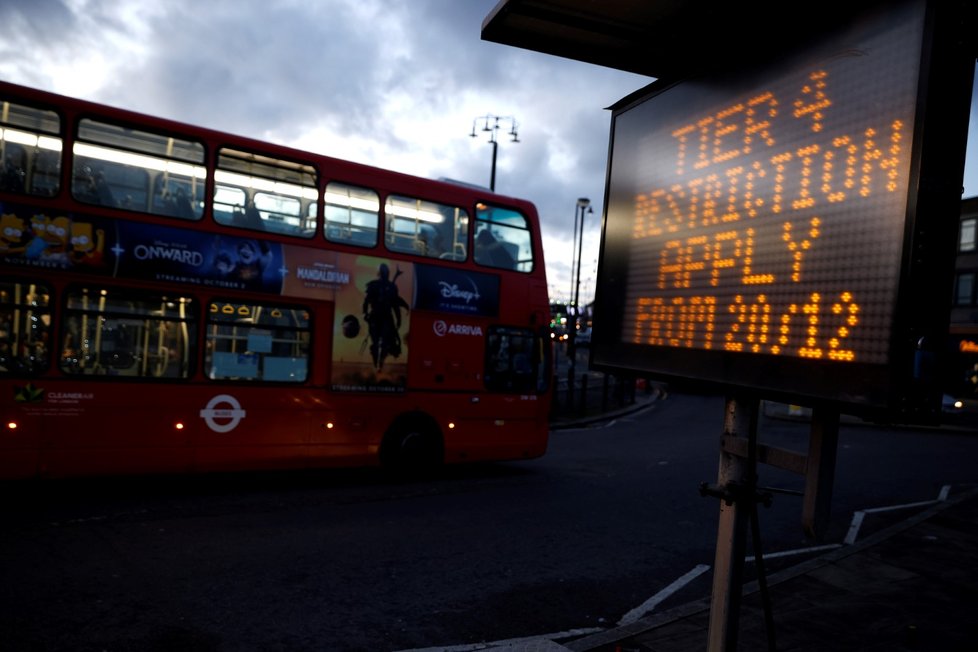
x: 910, y: 585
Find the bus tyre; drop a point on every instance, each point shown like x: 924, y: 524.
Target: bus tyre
x: 412, y: 444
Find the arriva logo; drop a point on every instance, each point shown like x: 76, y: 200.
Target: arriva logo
x: 442, y: 329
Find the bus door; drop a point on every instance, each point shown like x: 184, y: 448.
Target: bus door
x: 258, y: 361
x: 517, y: 360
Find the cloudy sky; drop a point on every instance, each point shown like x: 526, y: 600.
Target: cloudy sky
x: 393, y: 83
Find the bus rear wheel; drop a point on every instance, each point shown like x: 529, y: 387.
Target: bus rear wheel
x: 412, y: 444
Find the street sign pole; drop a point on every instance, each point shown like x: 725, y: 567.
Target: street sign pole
x: 735, y: 480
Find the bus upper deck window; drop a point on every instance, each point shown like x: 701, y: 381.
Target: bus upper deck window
x: 138, y: 170
x: 502, y: 239
x: 352, y: 214
x: 263, y: 193
x: 425, y: 228
x: 30, y: 150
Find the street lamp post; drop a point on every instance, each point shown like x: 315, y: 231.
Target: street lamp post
x: 582, y: 204
x: 491, y: 123
x: 574, y: 259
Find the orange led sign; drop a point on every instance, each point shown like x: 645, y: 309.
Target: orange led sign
x: 757, y: 220
x: 747, y: 222
x: 967, y: 346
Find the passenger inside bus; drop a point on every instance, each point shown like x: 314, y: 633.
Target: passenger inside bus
x: 12, y: 177
x: 91, y: 187
x: 430, y: 242
x: 176, y: 203
x: 250, y: 218
x: 490, y: 251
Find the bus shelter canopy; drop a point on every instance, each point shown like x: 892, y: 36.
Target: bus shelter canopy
x: 663, y: 38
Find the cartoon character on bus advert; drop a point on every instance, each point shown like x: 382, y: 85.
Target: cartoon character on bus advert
x: 12, y: 239
x: 372, y: 322
x: 43, y: 240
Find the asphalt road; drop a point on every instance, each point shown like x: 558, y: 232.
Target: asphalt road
x: 350, y: 560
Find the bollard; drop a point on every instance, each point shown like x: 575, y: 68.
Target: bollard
x: 570, y: 389
x: 554, y: 403
x: 582, y: 408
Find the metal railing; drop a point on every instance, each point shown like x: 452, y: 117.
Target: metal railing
x: 592, y: 393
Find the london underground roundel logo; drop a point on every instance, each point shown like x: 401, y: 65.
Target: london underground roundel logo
x: 223, y: 413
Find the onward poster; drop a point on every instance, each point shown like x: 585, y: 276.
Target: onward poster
x: 136, y: 250
x: 158, y: 253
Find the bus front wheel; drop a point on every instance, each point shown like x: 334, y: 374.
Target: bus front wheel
x: 412, y: 443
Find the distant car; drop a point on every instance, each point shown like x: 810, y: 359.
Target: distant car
x: 960, y: 411
x: 558, y: 334
x: 949, y: 404
x: 583, y: 337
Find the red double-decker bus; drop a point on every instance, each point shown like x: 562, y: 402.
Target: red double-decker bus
x: 175, y: 299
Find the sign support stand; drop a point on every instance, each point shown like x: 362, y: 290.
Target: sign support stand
x: 735, y: 488
x: 823, y: 443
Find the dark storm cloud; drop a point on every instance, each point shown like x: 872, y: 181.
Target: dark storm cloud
x: 449, y: 40
x: 405, y: 79
x: 275, y: 65
x: 30, y: 26
x: 559, y: 104
x: 35, y: 19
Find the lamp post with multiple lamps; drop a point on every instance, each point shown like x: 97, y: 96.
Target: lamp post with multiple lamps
x: 583, y: 204
x: 491, y: 124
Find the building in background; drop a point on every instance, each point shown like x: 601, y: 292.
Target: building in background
x: 962, y: 374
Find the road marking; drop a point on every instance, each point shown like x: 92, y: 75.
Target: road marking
x: 854, y: 525
x: 526, y: 643
x: 796, y: 551
x: 652, y: 602
x: 857, y: 518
